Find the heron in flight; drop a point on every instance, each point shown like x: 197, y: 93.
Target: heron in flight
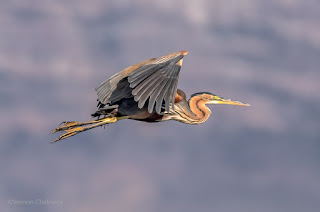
x: 147, y: 91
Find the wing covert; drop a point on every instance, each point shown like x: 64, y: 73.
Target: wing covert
x: 155, y: 80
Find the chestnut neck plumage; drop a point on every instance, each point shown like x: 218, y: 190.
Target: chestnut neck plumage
x: 196, y: 113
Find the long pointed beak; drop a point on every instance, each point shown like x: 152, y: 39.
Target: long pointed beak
x: 227, y: 102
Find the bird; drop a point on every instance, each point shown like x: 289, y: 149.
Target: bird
x: 147, y: 91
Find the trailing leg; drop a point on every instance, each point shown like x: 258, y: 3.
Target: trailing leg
x: 73, y: 128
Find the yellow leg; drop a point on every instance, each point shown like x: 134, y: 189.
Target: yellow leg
x: 72, y: 124
x: 73, y: 128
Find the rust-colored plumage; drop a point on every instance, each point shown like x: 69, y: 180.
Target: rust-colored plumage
x: 148, y: 92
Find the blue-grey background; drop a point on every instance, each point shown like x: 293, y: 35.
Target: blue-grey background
x: 246, y: 159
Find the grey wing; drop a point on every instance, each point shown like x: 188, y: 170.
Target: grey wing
x: 156, y: 80
x: 105, y: 89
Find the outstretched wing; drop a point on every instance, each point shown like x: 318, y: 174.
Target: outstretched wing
x: 155, y: 79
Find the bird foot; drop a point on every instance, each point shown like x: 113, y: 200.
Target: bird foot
x: 66, y: 125
x: 71, y: 128
x: 69, y: 133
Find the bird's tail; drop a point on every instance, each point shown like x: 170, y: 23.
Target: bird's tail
x: 71, y: 128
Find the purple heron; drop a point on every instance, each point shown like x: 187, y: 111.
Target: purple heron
x: 148, y: 92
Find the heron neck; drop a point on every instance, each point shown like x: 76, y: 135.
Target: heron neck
x: 199, y: 109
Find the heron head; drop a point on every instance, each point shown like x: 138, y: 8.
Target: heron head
x: 211, y: 98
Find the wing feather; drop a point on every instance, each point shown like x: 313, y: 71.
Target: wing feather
x: 159, y: 99
x: 141, y: 74
x: 154, y: 96
x: 155, y: 79
x: 148, y: 91
x: 139, y: 90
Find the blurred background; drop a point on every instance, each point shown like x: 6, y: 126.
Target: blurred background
x: 260, y: 158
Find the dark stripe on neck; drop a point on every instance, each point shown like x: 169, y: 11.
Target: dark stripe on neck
x: 203, y: 113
